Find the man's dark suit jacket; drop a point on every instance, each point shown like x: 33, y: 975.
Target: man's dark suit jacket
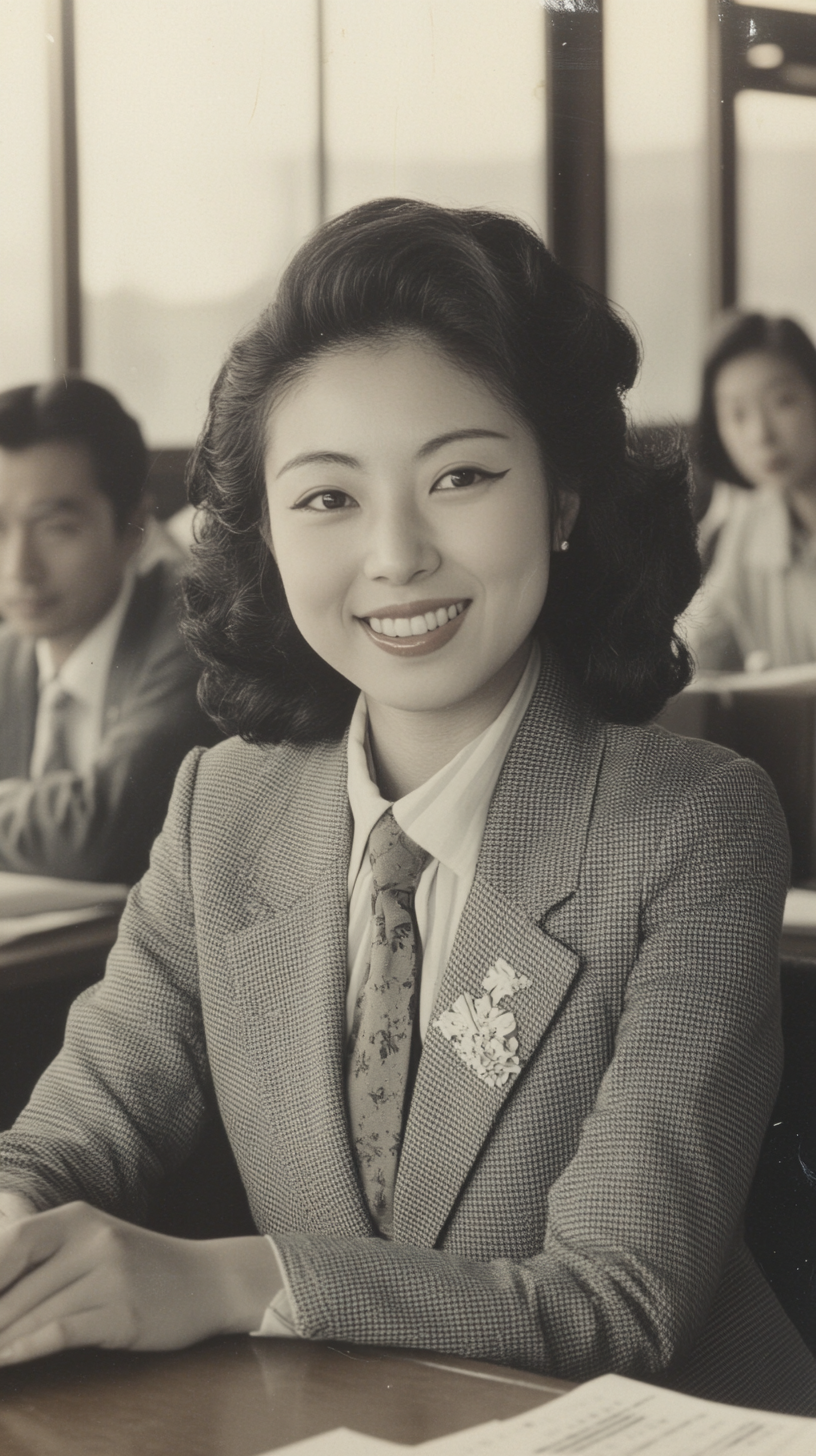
x: 100, y: 825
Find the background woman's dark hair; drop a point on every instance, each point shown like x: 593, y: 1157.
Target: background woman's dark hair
x: 485, y: 289
x: 78, y: 411
x: 738, y: 334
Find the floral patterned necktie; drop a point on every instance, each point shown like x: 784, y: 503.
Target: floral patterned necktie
x: 379, y: 1047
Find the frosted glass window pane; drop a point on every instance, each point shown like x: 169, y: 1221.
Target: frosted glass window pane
x: 776, y: 199
x: 197, y: 145
x: 655, y: 79
x: 443, y: 101
x: 25, y: 259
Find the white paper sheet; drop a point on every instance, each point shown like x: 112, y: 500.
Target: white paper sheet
x: 800, y: 910
x: 39, y: 894
x: 613, y: 1416
x: 773, y: 680
x: 610, y: 1416
x: 341, y: 1442
x: 32, y: 904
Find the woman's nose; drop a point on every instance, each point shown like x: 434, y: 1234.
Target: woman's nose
x: 765, y: 427
x: 400, y: 545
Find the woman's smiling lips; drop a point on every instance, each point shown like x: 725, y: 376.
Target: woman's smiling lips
x: 411, y: 629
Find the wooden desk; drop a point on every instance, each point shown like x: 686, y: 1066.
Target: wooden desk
x: 777, y: 728
x: 58, y: 955
x: 239, y: 1397
x: 799, y: 943
x: 39, y: 978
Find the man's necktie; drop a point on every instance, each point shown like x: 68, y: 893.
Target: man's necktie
x: 59, y: 713
x: 379, y: 1047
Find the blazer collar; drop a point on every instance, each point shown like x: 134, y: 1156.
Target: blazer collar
x: 544, y: 797
x: 17, y: 726
x: 296, y: 920
x: 530, y: 861
x: 149, y: 597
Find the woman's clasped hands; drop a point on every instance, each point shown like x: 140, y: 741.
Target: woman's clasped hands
x: 75, y: 1276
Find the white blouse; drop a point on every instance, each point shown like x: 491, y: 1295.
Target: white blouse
x: 445, y: 816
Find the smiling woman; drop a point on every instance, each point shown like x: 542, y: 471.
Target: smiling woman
x: 425, y: 527
x: 481, y: 978
x: 440, y: 331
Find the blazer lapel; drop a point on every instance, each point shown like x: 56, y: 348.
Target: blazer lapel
x: 530, y: 861
x: 19, y: 679
x: 289, y: 965
x: 148, y: 600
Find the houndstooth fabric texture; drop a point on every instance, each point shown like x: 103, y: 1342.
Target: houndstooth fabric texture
x: 379, y: 1050
x: 584, y: 1217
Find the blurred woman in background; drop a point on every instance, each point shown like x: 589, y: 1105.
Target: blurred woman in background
x: 757, y: 429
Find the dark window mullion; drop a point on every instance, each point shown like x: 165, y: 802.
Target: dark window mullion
x: 67, y: 302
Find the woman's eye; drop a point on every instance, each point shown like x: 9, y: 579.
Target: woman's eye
x: 326, y: 500
x: 470, y: 475
x: 61, y: 528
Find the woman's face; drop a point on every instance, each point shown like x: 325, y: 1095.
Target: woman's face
x: 766, y: 416
x: 410, y: 521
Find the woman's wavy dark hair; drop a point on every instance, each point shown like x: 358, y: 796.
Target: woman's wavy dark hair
x: 737, y: 334
x: 485, y: 289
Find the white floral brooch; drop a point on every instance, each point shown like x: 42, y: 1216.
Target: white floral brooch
x: 481, y: 1031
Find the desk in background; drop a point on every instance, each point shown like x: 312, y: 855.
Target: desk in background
x: 239, y: 1397
x: 771, y: 718
x: 39, y: 978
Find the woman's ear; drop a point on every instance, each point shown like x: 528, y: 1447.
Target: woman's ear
x: 569, y: 504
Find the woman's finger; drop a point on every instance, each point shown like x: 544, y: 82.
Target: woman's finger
x: 44, y: 1280
x: 87, y: 1292
x: 46, y: 1255
x: 66, y: 1333
x: 27, y: 1243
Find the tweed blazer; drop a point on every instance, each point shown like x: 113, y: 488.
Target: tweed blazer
x: 584, y: 1217
x: 99, y: 825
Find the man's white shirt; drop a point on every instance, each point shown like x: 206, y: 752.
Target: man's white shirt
x: 84, y: 675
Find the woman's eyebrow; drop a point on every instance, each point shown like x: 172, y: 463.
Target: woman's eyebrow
x: 319, y: 457
x: 453, y: 435
x: 334, y: 457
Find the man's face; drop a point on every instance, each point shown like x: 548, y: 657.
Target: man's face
x: 62, y: 558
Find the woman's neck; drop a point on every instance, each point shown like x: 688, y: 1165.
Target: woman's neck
x: 408, y: 748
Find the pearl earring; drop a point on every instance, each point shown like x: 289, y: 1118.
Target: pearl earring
x: 564, y: 545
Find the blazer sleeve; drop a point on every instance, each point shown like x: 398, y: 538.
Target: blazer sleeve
x: 643, y: 1219
x: 99, y: 825
x: 127, y: 1097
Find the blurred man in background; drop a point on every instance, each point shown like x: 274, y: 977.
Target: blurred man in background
x: 97, y: 691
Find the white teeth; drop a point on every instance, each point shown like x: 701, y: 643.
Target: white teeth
x: 417, y: 626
